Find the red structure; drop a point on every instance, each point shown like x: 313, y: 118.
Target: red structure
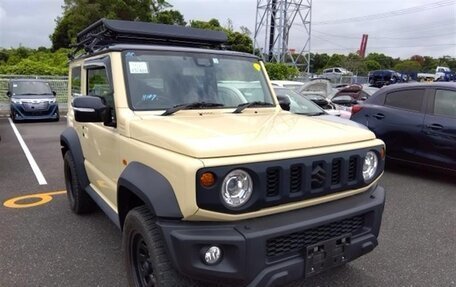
x: 362, y: 48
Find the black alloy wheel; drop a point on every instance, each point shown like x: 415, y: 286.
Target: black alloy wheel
x: 142, y: 263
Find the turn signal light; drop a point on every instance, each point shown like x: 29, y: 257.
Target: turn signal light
x: 207, y: 179
x: 382, y: 153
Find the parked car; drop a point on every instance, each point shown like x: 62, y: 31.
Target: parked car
x: 300, y: 105
x: 32, y: 100
x: 416, y: 121
x: 351, y: 95
x: 320, y: 91
x: 335, y: 73
x: 294, y: 85
x: 380, y: 78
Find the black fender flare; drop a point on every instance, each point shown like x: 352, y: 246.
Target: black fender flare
x: 69, y: 141
x: 149, y: 186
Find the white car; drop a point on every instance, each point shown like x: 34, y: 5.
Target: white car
x: 336, y: 73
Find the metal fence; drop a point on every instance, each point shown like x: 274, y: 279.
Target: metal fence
x: 59, y: 84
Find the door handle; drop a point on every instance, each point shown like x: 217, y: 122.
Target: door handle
x: 435, y: 127
x: 379, y: 116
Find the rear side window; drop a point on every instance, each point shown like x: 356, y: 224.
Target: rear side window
x: 408, y: 100
x: 76, y: 81
x: 445, y: 103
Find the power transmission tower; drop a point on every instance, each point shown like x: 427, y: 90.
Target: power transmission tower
x: 274, y: 20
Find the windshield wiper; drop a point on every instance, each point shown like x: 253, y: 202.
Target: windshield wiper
x: 244, y: 106
x: 195, y: 105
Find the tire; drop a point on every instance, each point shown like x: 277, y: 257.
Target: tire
x: 142, y: 236
x: 80, y: 202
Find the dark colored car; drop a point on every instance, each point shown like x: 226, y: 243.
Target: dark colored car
x: 380, y: 78
x: 32, y: 100
x: 416, y: 121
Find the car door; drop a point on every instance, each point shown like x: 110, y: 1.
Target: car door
x: 101, y: 141
x: 439, y: 130
x: 398, y: 122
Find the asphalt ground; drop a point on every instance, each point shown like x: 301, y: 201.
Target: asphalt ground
x: 48, y: 245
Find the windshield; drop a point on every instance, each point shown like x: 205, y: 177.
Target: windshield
x: 158, y: 80
x: 30, y: 88
x: 298, y: 104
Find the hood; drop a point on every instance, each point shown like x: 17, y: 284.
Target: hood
x: 226, y: 134
x: 338, y: 119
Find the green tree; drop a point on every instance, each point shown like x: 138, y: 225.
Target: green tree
x: 385, y: 62
x: 372, y: 65
x: 78, y: 14
x: 318, y: 62
x: 170, y: 17
x: 238, y: 41
x: 408, y: 66
x: 280, y: 71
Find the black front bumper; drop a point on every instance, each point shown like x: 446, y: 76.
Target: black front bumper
x: 23, y: 112
x: 275, y: 249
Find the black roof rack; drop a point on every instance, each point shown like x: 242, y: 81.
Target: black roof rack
x: 106, y: 32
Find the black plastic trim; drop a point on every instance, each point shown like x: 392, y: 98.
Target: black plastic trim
x: 210, y: 199
x: 69, y: 141
x: 152, y: 188
x: 243, y: 243
x: 103, y: 205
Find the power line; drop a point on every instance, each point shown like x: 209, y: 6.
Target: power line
x: 387, y: 47
x: 380, y: 37
x: 373, y: 17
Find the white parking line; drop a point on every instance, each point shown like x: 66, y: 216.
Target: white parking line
x: 39, y: 175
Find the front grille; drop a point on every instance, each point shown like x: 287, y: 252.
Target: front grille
x: 310, y: 179
x: 352, y: 168
x: 272, y: 186
x: 295, y: 178
x: 298, y: 240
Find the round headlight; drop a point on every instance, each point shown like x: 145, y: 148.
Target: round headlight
x: 370, y: 165
x: 236, y: 188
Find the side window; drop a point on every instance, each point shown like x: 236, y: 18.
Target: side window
x: 98, y: 85
x: 76, y: 81
x: 337, y: 71
x: 408, y: 100
x: 445, y: 103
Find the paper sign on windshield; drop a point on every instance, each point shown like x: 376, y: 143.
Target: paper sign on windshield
x: 138, y: 68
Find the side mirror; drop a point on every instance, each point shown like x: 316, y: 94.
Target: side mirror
x: 54, y: 93
x: 8, y: 94
x: 284, y: 102
x: 89, y: 109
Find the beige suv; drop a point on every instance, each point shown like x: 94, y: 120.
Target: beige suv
x: 185, y: 147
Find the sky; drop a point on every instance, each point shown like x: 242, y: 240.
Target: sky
x: 399, y: 28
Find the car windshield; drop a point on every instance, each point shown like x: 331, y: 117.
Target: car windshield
x: 298, y: 104
x: 29, y: 88
x: 159, y: 80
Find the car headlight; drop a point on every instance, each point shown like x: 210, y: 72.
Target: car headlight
x: 370, y: 165
x: 236, y: 189
x: 16, y: 101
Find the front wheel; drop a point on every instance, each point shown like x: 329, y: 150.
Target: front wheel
x: 146, y: 259
x: 80, y: 201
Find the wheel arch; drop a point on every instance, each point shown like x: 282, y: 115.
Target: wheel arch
x: 142, y: 185
x: 69, y: 141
